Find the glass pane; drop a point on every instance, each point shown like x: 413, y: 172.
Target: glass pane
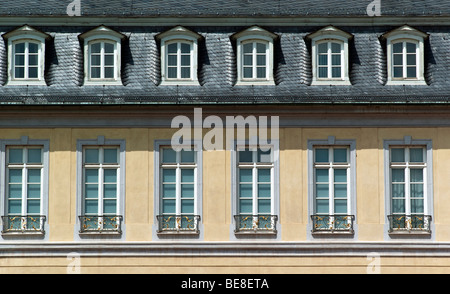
x: 340, y: 175
x: 335, y: 48
x: 410, y: 47
x: 322, y: 206
x: 187, y: 156
x: 169, y: 175
x: 322, y: 48
x: 416, y: 155
x: 91, y: 206
x: 172, y: 60
x: 322, y: 190
x: 323, y: 59
x: 411, y: 59
x: 33, y: 48
x: 340, y: 206
x: 187, y: 175
x: 411, y: 72
x: 91, y: 191
x: 33, y: 60
x: 34, y: 155
x: 416, y: 190
x: 260, y: 72
x: 340, y: 190
x: 110, y: 175
x: 398, y: 175
x: 260, y: 48
x: 187, y: 206
x: 91, y: 156
x: 34, y: 206
x: 245, y: 190
x: 19, y: 48
x: 336, y: 72
x: 323, y: 72
x: 264, y: 190
x: 398, y: 206
x: 32, y: 72
x: 15, y: 155
x: 187, y: 191
x: 398, y: 72
x: 340, y: 154
x: 397, y: 47
x: 248, y: 72
x: 398, y: 59
x: 245, y: 206
x: 109, y: 72
x: 15, y: 206
x: 185, y: 48
x: 15, y: 191
x: 264, y: 206
x: 248, y: 60
x: 169, y: 191
x: 34, y: 176
x: 95, y: 72
x: 245, y: 175
x: 110, y: 190
x: 321, y: 155
x: 398, y: 190
x: 264, y: 175
x: 417, y: 206
x: 91, y: 175
x: 169, y: 206
x: 15, y: 176
x: 109, y: 60
x: 19, y: 72
x: 397, y: 155
x: 95, y: 48
x: 261, y: 59
x: 248, y: 48
x: 245, y: 156
x: 19, y: 59
x: 264, y: 155
x: 110, y: 155
x: 172, y: 72
x: 169, y: 155
x: 416, y: 175
x: 336, y: 59
x: 109, y: 206
x: 109, y: 48
x: 322, y: 175
x: 185, y: 60
x: 172, y: 48
x: 185, y: 72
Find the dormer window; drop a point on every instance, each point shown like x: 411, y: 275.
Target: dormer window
x: 179, y: 56
x: 26, y: 56
x: 330, y: 56
x: 405, y: 56
x: 102, y: 56
x: 255, y: 56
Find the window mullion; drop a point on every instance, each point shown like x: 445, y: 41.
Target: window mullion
x: 178, y: 185
x: 178, y: 60
x: 254, y: 60
x: 25, y: 63
x: 329, y: 65
x: 102, y: 60
x: 404, y: 55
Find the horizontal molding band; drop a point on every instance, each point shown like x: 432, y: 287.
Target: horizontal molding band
x: 226, y: 249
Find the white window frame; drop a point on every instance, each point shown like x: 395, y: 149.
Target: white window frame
x: 197, y: 230
x: 408, y: 143
x: 408, y: 34
x: 26, y: 34
x: 255, y: 34
x: 179, y: 34
x: 105, y: 143
x: 24, y: 142
x: 102, y: 60
x: 330, y: 34
x: 102, y: 34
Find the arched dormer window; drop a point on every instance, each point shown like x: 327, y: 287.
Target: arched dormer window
x: 26, y: 56
x: 255, y: 56
x: 405, y: 56
x: 179, y: 56
x: 329, y: 52
x: 102, y: 56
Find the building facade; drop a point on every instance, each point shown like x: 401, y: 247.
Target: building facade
x: 344, y: 170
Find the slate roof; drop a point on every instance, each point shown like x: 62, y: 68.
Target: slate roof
x: 217, y: 58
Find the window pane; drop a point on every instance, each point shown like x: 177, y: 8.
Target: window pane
x: 110, y: 155
x: 335, y: 59
x: 397, y: 155
x: 91, y: 206
x: 185, y: 48
x: 91, y: 191
x: 416, y: 175
x: 411, y: 72
x: 110, y: 175
x: 34, y: 176
x: 110, y: 190
x: 34, y: 206
x: 19, y: 59
x: 245, y: 175
x: 261, y: 72
x: 15, y: 206
x: 336, y: 72
x: 172, y: 60
x: 398, y: 190
x: 323, y: 72
x: 410, y: 48
x: 187, y: 156
x: 15, y: 176
x: 15, y: 191
x: 322, y: 191
x: 323, y: 59
x: 322, y: 206
x: 321, y: 175
x: 340, y: 154
x: 397, y: 47
x: 398, y: 175
x: 185, y: 72
x: 322, y: 48
x: 15, y: 155
x: 35, y: 155
x: 398, y: 206
x: 19, y: 72
x: 169, y: 175
x: 248, y: 72
x: 19, y: 48
x: 264, y: 176
x: 416, y: 155
x: 245, y: 206
x: 95, y: 48
x: 321, y: 155
x: 264, y: 156
x: 33, y: 48
x: 32, y: 72
x: 264, y: 190
x: 169, y: 206
x: 248, y: 60
x: 109, y: 72
x: 109, y: 48
x: 264, y: 206
x: 411, y: 59
x: 109, y: 206
x: 169, y: 155
x: 109, y: 60
x: 245, y: 156
x: 340, y: 175
x: 416, y: 190
x: 168, y: 191
x: 335, y: 48
x: 340, y: 206
x: 417, y: 206
x: 187, y: 191
x: 398, y: 72
x: 91, y: 156
x: 33, y: 60
x: 245, y: 190
x: 248, y: 48
x: 172, y: 72
x: 185, y: 60
x: 34, y: 191
x: 95, y: 72
x: 172, y: 48
x: 187, y: 206
x: 91, y: 175
x: 261, y: 60
x: 398, y: 59
x: 340, y: 190
x: 260, y: 48
x: 187, y: 175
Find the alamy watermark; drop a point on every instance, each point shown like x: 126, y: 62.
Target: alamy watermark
x: 374, y: 266
x: 74, y: 8
x: 74, y: 265
x: 374, y: 8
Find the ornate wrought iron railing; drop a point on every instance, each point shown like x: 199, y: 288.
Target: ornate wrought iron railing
x: 332, y: 223
x: 100, y: 223
x: 178, y: 223
x: 255, y: 223
x: 23, y: 223
x: 413, y: 222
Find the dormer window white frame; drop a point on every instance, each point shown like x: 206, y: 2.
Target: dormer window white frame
x: 179, y: 56
x: 26, y: 56
x: 255, y: 56
x: 102, y: 48
x: 330, y: 57
x: 405, y: 56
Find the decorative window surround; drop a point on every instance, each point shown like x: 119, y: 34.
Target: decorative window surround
x: 177, y: 229
x: 32, y: 225
x: 255, y: 35
x: 102, y: 35
x: 331, y: 36
x: 119, y: 232
x: 179, y: 37
x: 405, y: 34
x: 349, y: 229
x: 425, y: 225
x: 27, y: 36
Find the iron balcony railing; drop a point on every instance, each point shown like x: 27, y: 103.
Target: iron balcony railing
x: 256, y: 223
x: 23, y: 223
x: 332, y: 223
x: 172, y: 223
x: 100, y: 224
x: 409, y: 223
